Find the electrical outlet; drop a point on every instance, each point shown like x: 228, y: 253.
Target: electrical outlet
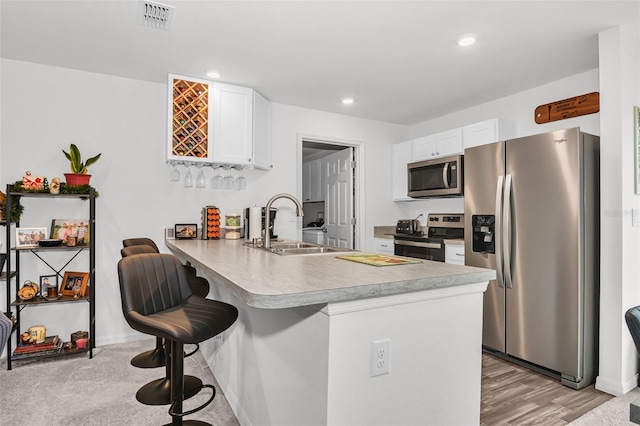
x: 380, y: 356
x: 635, y: 217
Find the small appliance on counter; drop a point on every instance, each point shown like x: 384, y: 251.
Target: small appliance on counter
x: 247, y: 223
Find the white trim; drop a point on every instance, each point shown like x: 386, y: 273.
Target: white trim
x: 338, y: 308
x: 358, y: 201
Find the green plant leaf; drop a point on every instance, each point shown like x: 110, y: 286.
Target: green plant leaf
x: 92, y: 160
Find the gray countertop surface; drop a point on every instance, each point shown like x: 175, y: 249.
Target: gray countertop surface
x: 270, y: 281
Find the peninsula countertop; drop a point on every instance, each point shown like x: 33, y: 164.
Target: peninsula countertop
x: 270, y: 281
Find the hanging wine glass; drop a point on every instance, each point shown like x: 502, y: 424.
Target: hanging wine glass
x: 216, y: 180
x: 241, y: 181
x: 227, y: 182
x: 200, y: 179
x: 188, y: 179
x: 175, y: 174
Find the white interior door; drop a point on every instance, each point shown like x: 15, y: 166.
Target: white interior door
x: 338, y: 173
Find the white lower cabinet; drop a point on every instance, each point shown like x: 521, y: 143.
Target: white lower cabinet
x: 383, y: 245
x: 454, y: 253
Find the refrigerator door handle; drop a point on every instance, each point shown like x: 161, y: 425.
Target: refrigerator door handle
x: 499, y: 191
x: 445, y: 175
x: 506, y: 231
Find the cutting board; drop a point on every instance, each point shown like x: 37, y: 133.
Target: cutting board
x: 378, y: 259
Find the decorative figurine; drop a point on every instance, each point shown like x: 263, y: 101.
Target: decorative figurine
x: 54, y: 187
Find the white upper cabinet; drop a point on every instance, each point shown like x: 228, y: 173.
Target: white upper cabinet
x: 487, y: 132
x: 312, y: 181
x: 232, y: 124
x: 437, y: 145
x: 261, y: 132
x: 400, y: 156
x: 218, y: 123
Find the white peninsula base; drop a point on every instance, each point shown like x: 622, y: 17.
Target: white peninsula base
x: 312, y: 365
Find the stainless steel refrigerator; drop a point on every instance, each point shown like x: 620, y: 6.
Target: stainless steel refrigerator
x: 532, y: 214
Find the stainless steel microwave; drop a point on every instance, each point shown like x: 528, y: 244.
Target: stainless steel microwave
x: 438, y: 177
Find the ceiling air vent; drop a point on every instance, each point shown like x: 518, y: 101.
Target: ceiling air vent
x: 155, y: 15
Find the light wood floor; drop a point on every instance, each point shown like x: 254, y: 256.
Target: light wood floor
x: 514, y: 395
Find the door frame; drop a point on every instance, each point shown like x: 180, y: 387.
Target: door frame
x: 358, y: 184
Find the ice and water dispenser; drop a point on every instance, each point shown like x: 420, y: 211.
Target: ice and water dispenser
x: 483, y: 227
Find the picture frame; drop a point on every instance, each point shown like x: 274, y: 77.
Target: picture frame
x: 47, y: 281
x: 29, y: 237
x: 186, y: 231
x: 74, y: 281
x: 61, y: 229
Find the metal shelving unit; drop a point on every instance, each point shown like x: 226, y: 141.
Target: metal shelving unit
x: 14, y: 305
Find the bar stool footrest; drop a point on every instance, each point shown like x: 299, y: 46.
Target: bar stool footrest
x: 172, y: 413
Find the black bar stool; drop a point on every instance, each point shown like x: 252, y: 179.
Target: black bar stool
x: 153, y: 358
x: 157, y: 300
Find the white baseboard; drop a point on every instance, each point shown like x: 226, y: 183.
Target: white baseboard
x: 616, y: 388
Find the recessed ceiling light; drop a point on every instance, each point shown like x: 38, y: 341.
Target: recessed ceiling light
x: 213, y: 74
x: 347, y: 101
x: 467, y: 39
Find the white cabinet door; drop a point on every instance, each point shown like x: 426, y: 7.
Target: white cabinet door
x: 312, y: 181
x: 232, y: 124
x: 320, y: 174
x: 261, y: 132
x: 383, y: 245
x: 454, y: 253
x: 437, y: 145
x: 449, y: 142
x: 487, y: 132
x: 400, y: 156
x: 306, y: 181
x: 423, y: 148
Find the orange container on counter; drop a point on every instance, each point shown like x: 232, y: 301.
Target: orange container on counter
x: 210, y: 223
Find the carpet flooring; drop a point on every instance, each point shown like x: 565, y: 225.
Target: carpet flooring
x: 75, y: 390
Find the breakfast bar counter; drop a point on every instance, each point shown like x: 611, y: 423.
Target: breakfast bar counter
x: 301, y: 352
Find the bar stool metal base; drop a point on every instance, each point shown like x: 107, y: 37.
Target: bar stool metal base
x: 192, y: 423
x: 153, y: 358
x: 158, y: 392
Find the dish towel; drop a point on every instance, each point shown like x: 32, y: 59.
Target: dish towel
x: 5, y: 330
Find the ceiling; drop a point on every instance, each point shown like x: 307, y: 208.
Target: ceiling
x: 397, y: 59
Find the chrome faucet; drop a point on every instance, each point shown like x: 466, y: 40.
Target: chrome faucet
x: 267, y: 215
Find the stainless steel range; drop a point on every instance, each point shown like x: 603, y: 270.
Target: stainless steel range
x: 411, y: 241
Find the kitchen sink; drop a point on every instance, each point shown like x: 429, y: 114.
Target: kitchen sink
x: 289, y: 248
x: 310, y: 250
x: 294, y: 245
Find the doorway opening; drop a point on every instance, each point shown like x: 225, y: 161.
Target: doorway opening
x: 330, y: 172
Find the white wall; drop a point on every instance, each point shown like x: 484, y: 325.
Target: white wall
x: 620, y: 289
x: 47, y: 108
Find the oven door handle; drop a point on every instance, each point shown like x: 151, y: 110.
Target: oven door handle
x: 445, y: 175
x: 417, y: 244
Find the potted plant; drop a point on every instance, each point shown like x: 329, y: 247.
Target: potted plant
x: 79, y: 175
